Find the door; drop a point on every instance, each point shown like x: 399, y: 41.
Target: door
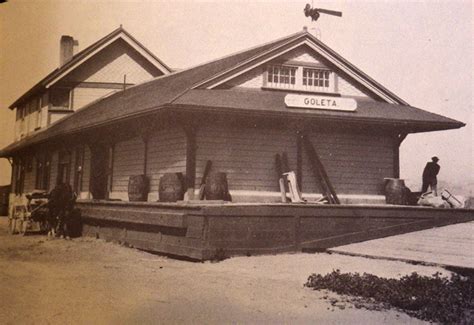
x: 64, y: 167
x: 101, y: 171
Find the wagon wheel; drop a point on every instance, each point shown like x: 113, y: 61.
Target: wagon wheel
x: 43, y: 225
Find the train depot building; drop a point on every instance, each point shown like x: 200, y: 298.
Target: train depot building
x: 115, y: 111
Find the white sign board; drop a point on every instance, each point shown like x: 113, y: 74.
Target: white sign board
x: 321, y: 102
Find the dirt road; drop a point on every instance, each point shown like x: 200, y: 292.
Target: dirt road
x: 89, y: 281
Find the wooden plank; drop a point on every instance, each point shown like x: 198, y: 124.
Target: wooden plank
x: 166, y: 219
x: 323, y: 243
x: 437, y: 245
x: 319, y: 173
x: 207, y: 169
x: 313, y: 210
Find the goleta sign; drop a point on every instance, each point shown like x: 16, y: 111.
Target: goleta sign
x: 320, y: 102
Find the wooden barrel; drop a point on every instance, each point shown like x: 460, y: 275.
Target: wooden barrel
x: 395, y: 192
x: 74, y: 223
x: 138, y: 188
x: 171, y: 187
x: 216, y: 187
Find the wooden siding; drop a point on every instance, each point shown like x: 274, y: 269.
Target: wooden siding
x: 301, y: 54
x: 56, y: 116
x: 72, y: 166
x: 355, y: 163
x: 345, y: 88
x: 30, y: 176
x: 129, y: 159
x: 112, y: 64
x: 251, y: 79
x: 166, y: 154
x: 201, y: 231
x: 33, y: 119
x: 54, y: 170
x: 246, y: 155
x: 86, y: 170
x: 84, y: 96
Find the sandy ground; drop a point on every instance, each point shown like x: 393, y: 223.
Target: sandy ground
x: 89, y: 281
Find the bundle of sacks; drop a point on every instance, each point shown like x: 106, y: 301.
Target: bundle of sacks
x: 445, y: 200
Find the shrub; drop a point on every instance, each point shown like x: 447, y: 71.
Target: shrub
x: 434, y: 298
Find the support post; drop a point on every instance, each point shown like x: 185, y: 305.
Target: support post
x: 145, y: 138
x: 299, y: 160
x: 190, y: 131
x: 396, y: 154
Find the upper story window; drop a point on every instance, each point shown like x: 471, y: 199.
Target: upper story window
x: 59, y: 98
x: 316, y: 79
x: 281, y: 76
x: 301, y: 78
x: 21, y: 112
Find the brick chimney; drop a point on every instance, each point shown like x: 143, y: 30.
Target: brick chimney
x: 66, y: 49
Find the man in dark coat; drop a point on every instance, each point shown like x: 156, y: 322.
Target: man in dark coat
x: 429, y: 176
x: 61, y: 203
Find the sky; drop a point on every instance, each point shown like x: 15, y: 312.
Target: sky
x: 420, y: 50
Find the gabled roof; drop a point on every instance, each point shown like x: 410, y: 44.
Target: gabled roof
x: 322, y: 49
x: 85, y: 54
x: 185, y: 89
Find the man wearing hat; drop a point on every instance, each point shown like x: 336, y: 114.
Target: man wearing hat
x: 429, y: 176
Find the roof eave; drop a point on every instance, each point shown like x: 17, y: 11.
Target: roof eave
x: 408, y: 126
x: 415, y: 126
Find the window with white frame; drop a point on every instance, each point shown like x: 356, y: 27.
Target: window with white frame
x: 300, y: 78
x: 316, y: 79
x: 59, y: 98
x: 280, y: 76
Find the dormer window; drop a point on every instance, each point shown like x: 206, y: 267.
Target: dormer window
x: 303, y: 78
x: 279, y: 76
x: 316, y: 79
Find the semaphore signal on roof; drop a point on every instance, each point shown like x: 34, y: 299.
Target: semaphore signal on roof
x: 314, y: 13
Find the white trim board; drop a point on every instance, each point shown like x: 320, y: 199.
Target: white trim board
x: 122, y: 36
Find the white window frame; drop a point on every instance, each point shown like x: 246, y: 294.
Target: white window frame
x: 298, y: 85
x: 277, y: 76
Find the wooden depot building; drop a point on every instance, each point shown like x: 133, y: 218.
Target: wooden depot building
x: 114, y: 110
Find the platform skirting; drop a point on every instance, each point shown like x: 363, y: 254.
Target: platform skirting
x: 202, y: 232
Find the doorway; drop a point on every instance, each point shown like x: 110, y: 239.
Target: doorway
x: 101, y: 171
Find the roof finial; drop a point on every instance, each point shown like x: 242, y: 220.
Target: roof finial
x: 305, y: 29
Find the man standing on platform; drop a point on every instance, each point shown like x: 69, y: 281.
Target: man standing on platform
x: 429, y: 176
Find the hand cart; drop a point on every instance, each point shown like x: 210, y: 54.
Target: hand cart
x: 32, y: 216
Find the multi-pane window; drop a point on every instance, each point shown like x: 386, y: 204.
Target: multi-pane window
x: 43, y: 163
x: 300, y: 78
x: 316, y: 79
x: 19, y: 173
x: 281, y: 76
x: 59, y: 98
x: 21, y: 112
x: 40, y: 169
x: 37, y: 113
x: 63, y: 167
